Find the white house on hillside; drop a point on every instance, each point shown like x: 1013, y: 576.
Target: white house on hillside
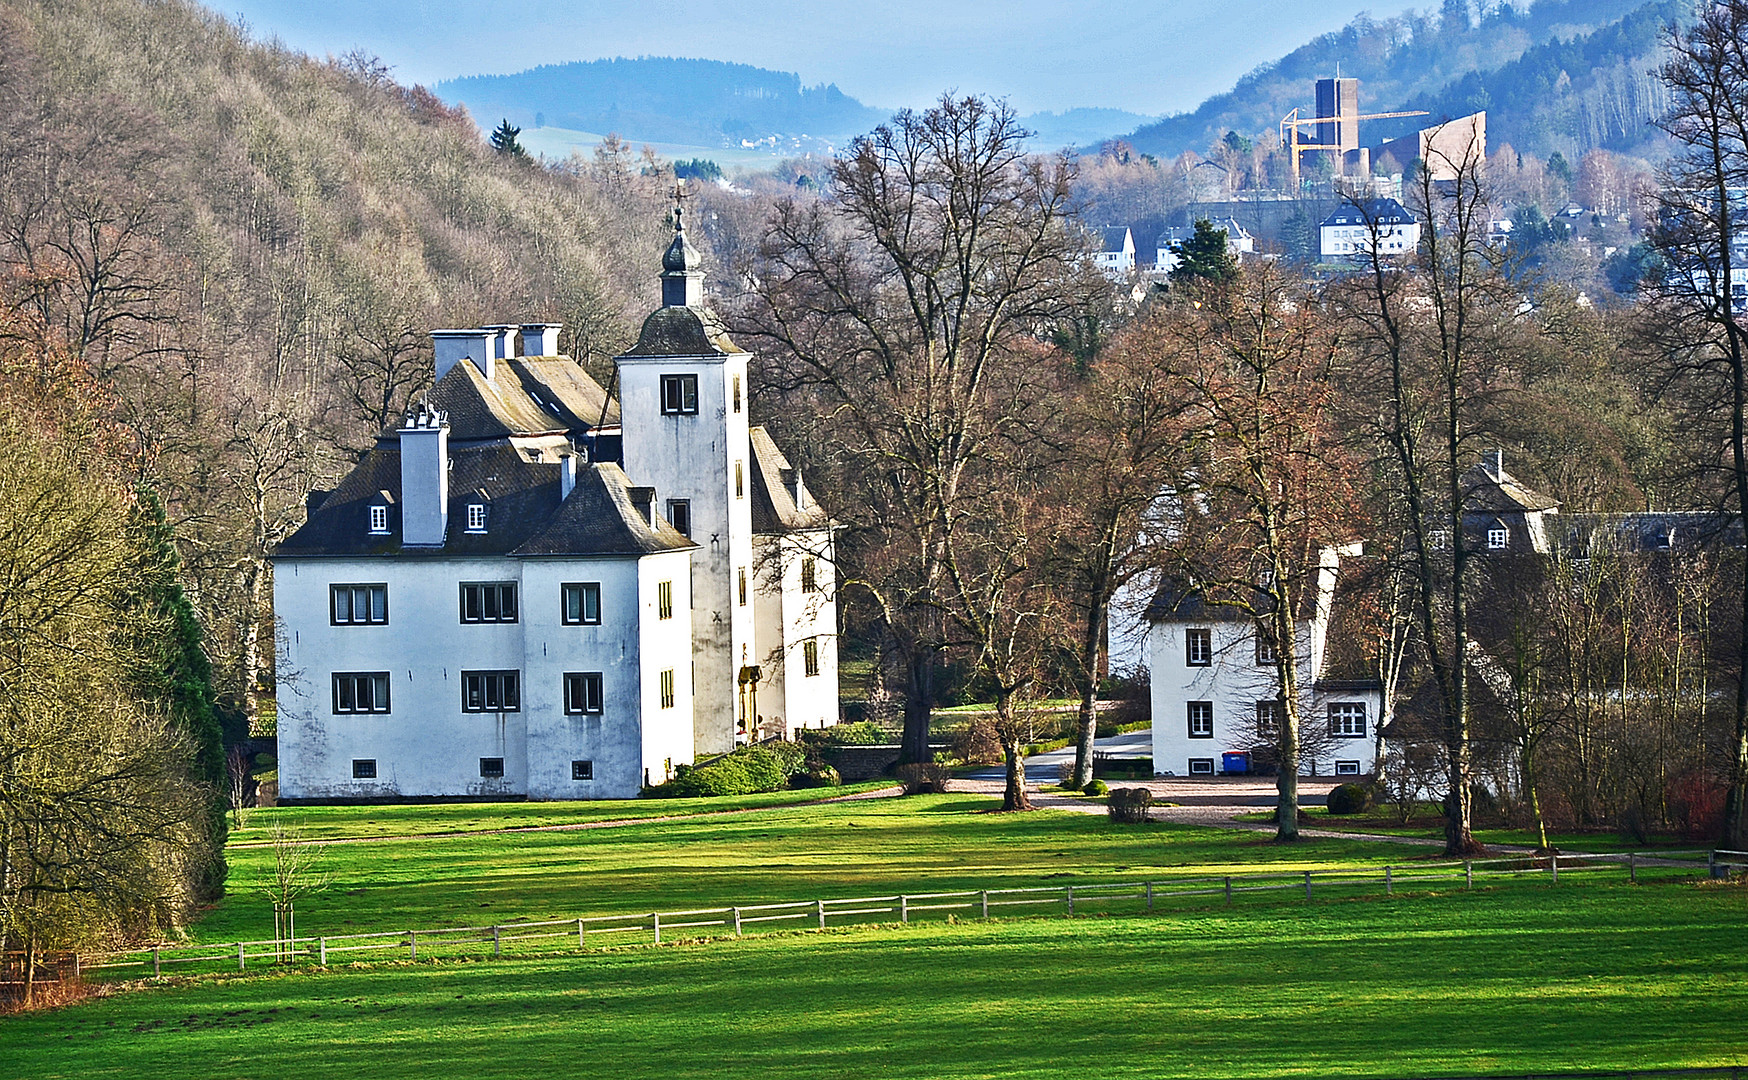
x: 1354, y: 229
x: 1116, y: 254
x: 531, y: 590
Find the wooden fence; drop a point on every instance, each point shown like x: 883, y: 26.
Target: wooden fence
x: 1113, y: 898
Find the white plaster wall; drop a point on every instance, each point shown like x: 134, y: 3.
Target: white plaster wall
x: 425, y: 745
x: 692, y: 457
x: 811, y: 701
x: 667, y: 735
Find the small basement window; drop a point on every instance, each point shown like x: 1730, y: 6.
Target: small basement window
x: 491, y: 767
x: 1347, y: 768
x: 582, y: 770
x: 1201, y: 766
x: 364, y: 768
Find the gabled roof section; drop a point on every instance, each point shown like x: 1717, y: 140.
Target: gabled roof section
x: 1498, y: 492
x: 523, y: 516
x: 1116, y: 238
x: 1372, y: 211
x: 683, y: 331
x: 774, y: 479
x: 529, y: 395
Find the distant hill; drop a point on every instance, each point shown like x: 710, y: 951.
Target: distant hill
x: 709, y: 103
x: 1414, y: 58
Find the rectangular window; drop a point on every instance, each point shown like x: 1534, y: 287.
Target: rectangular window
x: 582, y: 770
x: 680, y: 515
x: 737, y: 393
x: 810, y: 657
x: 668, y: 688
x: 476, y: 517
x: 379, y: 519
x: 488, y: 602
x: 491, y: 691
x: 739, y: 481
x: 741, y: 584
x: 361, y: 692
x: 1497, y: 537
x: 809, y: 576
x: 1268, y: 719
x: 1201, y: 766
x: 1347, y: 719
x: 1439, y: 539
x: 1265, y: 650
x: 1347, y: 768
x: 1201, y: 719
x: 680, y: 394
x: 364, y: 768
x: 665, y: 600
x: 353, y: 605
x: 1198, y: 647
x: 491, y: 767
x: 581, y: 603
x: 583, y: 693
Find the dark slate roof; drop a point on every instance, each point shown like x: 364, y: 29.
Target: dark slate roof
x: 1651, y: 531
x: 1350, y: 649
x: 1180, y: 599
x: 1372, y: 211
x: 1490, y: 493
x: 1114, y: 237
x: 683, y: 331
x: 530, y: 395
x: 524, y: 516
x: 774, y: 509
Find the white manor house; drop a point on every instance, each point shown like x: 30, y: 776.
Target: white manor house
x: 532, y: 590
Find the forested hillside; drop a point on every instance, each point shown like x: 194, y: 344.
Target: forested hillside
x: 1411, y: 56
x: 250, y: 245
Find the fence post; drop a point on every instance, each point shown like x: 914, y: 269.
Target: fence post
x: 819, y: 907
x: 1228, y: 891
x: 1554, y: 868
x: 736, y: 922
x: 655, y: 922
x: 904, y: 909
x: 1150, y: 896
x: 156, y: 972
x: 1632, y: 868
x: 1712, y: 863
x: 983, y: 899
x: 1468, y: 875
x: 75, y: 967
x: 1307, y: 884
x: 1388, y: 890
x: 412, y: 944
x: 322, y: 951
x: 497, y: 943
x: 1068, y: 890
x: 239, y: 956
x: 581, y: 940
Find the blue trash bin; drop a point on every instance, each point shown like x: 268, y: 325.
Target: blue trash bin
x: 1235, y: 763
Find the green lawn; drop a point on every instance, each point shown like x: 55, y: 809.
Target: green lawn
x: 877, y: 846
x: 1515, y: 979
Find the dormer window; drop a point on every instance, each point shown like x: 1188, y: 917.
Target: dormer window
x: 379, y: 520
x: 1497, y: 537
x: 1439, y: 539
x: 680, y: 395
x: 476, y: 517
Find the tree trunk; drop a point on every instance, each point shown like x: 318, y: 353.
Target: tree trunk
x: 1014, y: 796
x: 919, y: 704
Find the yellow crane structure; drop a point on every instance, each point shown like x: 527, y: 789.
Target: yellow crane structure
x: 1291, y: 123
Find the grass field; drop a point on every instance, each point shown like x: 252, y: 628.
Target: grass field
x: 1514, y: 979
x: 917, y: 844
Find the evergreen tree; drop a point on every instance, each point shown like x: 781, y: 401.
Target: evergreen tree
x: 1205, y: 256
x: 504, y: 140
x: 1299, y: 237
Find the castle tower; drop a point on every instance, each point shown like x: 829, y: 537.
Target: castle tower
x: 683, y: 401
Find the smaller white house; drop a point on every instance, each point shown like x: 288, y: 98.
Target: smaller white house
x: 1116, y: 255
x: 1239, y: 242
x: 1215, y: 699
x: 1354, y: 230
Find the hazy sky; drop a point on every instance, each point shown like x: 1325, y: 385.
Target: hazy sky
x: 1148, y: 56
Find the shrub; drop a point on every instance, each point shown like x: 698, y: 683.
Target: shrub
x: 746, y: 771
x: 860, y: 733
x: 1096, y: 787
x: 1350, y: 799
x: 922, y: 778
x: 819, y: 776
x: 1131, y: 806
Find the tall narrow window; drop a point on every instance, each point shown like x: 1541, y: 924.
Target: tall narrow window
x: 1265, y: 649
x: 583, y: 692
x: 665, y: 600
x: 741, y: 585
x: 361, y: 692
x: 680, y: 394
x: 1198, y: 647
x: 476, y: 517
x: 491, y: 691
x: 355, y: 604
x: 493, y: 601
x: 737, y: 393
x: 667, y: 688
x: 1201, y: 715
x: 809, y: 576
x: 379, y: 519
x: 739, y: 482
x: 1268, y: 720
x: 680, y: 515
x: 581, y: 603
x: 810, y: 657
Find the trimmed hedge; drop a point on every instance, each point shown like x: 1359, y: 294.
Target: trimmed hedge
x: 1350, y: 799
x: 746, y: 771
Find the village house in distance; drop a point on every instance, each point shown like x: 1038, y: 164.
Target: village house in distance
x: 532, y: 590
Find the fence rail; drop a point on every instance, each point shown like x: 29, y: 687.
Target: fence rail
x: 818, y: 914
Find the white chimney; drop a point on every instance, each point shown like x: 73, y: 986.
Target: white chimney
x: 567, y: 475
x: 540, y: 338
x: 450, y: 347
x: 505, y: 340
x: 425, y: 478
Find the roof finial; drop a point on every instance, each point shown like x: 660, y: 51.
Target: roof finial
x: 680, y: 197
